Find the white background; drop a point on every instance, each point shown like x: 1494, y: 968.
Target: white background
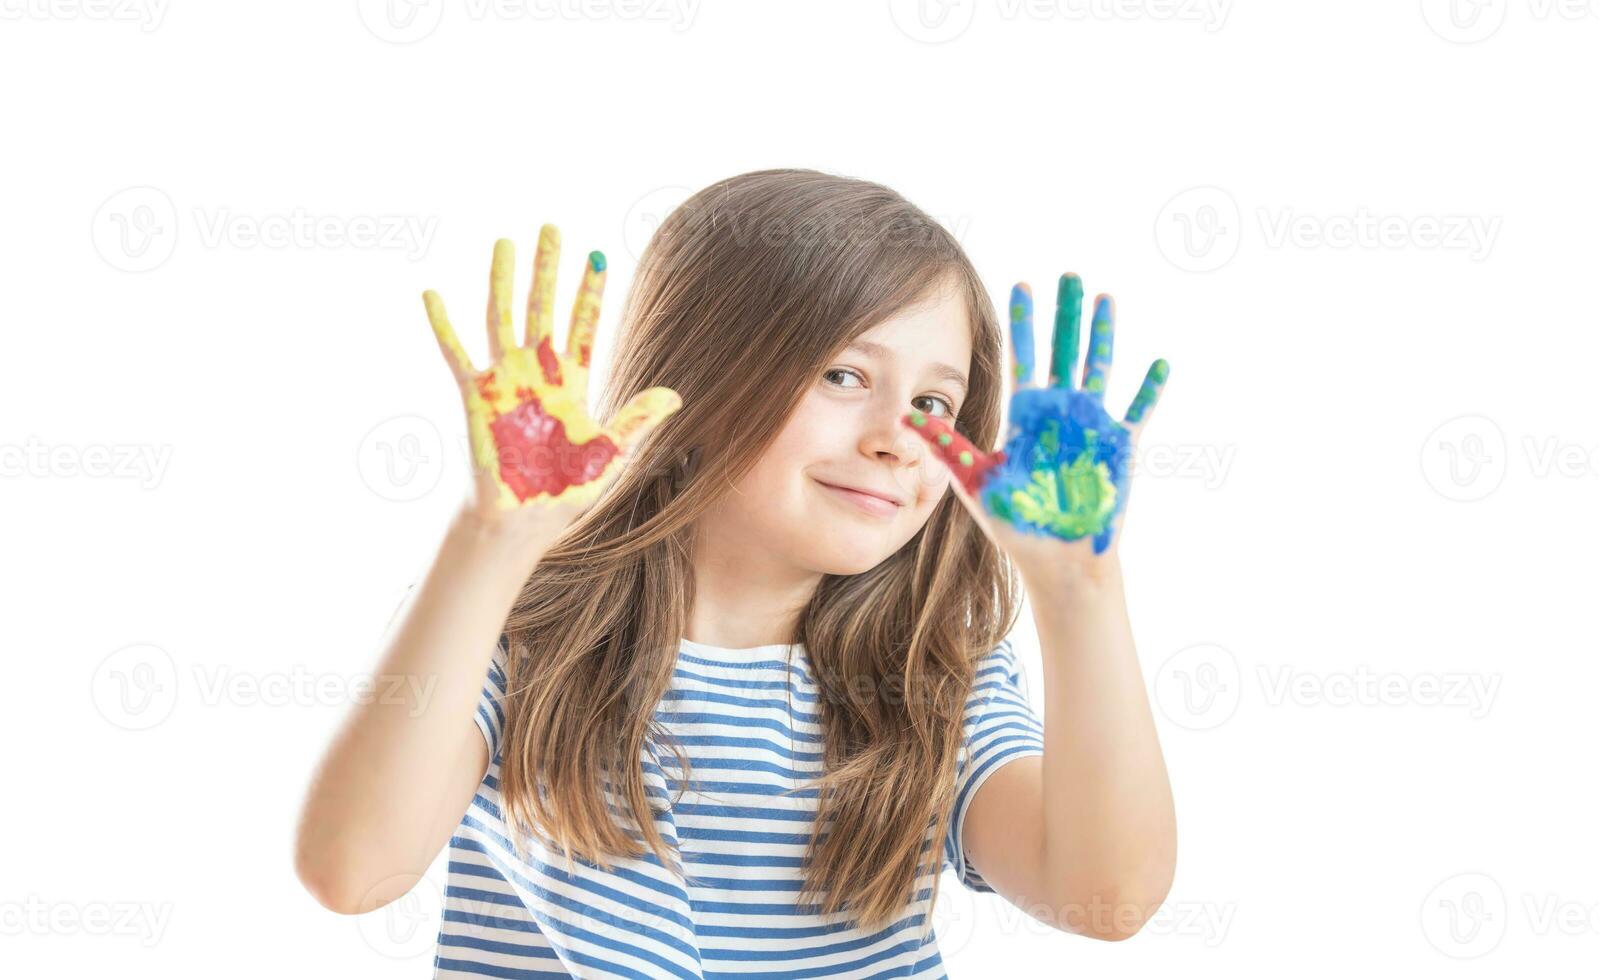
x: 1360, y: 551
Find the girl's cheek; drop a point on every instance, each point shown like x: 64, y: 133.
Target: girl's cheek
x: 932, y: 482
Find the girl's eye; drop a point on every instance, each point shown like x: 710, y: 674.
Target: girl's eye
x: 847, y: 371
x: 949, y: 408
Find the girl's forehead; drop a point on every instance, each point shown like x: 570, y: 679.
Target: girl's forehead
x: 939, y: 329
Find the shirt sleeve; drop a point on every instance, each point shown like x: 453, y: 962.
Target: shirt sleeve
x: 490, y: 715
x: 999, y: 726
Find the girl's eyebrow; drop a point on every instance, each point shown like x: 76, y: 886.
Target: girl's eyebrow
x: 940, y: 369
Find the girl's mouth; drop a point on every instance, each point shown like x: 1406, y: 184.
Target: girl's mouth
x: 865, y: 502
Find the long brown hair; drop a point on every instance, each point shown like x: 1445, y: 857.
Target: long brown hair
x: 742, y: 296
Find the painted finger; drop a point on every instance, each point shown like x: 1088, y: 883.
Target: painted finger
x: 1148, y: 393
x: 541, y: 297
x: 1097, y: 364
x: 502, y: 275
x: 968, y: 464
x: 1063, y: 345
x: 1021, y: 337
x: 635, y: 420
x: 449, y: 343
x: 586, y: 310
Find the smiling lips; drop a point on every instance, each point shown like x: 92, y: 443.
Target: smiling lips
x: 871, y: 503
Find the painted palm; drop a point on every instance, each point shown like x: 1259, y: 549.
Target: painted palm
x: 533, y: 441
x: 1065, y: 467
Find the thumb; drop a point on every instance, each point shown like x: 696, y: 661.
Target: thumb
x: 634, y: 422
x: 968, y: 465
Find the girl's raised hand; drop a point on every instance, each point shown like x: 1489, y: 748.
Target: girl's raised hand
x: 1060, y: 484
x: 538, y: 457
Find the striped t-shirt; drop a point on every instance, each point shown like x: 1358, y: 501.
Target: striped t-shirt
x: 746, y: 719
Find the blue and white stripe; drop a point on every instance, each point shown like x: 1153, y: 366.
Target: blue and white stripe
x: 748, y: 721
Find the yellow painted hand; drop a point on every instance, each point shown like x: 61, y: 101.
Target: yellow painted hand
x: 534, y: 444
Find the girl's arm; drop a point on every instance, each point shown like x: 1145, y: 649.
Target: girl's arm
x: 398, y: 775
x: 1088, y: 829
x: 393, y: 784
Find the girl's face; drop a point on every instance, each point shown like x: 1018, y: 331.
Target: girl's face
x: 847, y: 432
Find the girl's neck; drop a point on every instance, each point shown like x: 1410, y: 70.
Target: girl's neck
x: 745, y: 597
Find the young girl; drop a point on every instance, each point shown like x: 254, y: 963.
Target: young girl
x: 723, y: 684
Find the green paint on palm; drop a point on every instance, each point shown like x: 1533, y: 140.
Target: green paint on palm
x: 1073, y: 501
x: 1048, y: 448
x: 999, y: 506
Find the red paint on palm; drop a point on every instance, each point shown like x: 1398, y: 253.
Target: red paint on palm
x: 537, y: 457
x: 550, y: 363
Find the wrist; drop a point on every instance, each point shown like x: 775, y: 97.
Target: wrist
x: 1075, y: 580
x: 502, y: 541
